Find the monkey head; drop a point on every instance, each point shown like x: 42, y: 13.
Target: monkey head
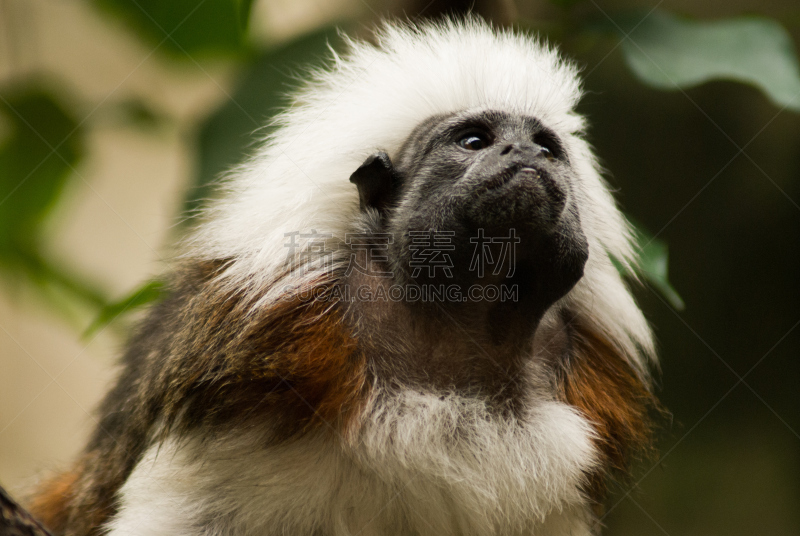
x: 477, y: 175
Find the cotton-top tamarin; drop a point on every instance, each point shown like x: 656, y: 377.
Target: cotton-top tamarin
x: 401, y: 317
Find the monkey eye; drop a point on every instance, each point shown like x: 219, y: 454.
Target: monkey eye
x: 549, y: 145
x: 474, y: 141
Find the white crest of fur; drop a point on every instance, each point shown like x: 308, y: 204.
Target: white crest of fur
x: 424, y: 465
x: 371, y: 99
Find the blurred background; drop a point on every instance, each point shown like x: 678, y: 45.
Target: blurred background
x: 116, y: 116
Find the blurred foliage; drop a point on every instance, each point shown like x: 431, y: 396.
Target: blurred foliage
x: 186, y: 28
x: 652, y: 267
x: 45, y: 142
x: 136, y: 113
x: 669, y: 52
x: 147, y: 293
x: 37, y: 159
x: 653, y: 262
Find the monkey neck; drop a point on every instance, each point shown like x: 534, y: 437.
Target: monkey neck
x: 478, y: 348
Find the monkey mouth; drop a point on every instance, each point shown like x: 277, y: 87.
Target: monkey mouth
x: 511, y: 174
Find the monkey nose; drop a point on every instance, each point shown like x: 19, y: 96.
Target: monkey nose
x: 522, y: 150
x: 508, y: 148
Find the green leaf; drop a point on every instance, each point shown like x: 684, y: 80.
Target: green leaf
x: 63, y: 290
x: 243, y: 8
x: 148, y: 293
x: 138, y: 113
x: 651, y: 265
x: 231, y: 131
x: 43, y: 145
x: 185, y: 28
x: 669, y: 52
x: 36, y: 162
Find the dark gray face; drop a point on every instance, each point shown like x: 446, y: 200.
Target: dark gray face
x: 471, y: 178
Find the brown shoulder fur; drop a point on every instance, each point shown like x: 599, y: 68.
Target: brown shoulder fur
x: 50, y: 505
x: 596, y: 378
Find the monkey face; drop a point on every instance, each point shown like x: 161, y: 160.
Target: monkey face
x: 486, y: 179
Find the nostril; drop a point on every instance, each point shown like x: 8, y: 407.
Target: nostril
x: 506, y: 150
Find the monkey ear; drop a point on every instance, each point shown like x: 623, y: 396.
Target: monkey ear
x: 376, y: 180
